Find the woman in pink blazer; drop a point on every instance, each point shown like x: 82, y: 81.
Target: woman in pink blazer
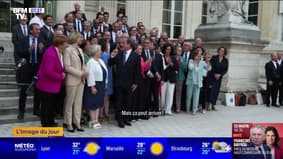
x: 50, y: 79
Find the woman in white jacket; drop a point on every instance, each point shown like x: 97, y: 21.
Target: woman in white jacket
x: 97, y: 83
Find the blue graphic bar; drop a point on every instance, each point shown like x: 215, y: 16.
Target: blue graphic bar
x: 107, y: 148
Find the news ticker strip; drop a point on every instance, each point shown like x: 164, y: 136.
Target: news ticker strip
x: 118, y: 147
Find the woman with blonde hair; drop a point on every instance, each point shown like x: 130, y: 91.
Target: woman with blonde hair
x: 75, y: 78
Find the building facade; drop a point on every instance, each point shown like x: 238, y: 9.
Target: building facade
x: 176, y: 17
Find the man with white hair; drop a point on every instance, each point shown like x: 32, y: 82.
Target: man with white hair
x: 256, y: 149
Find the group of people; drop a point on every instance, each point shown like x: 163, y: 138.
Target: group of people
x: 274, y: 80
x: 264, y: 144
x: 79, y: 69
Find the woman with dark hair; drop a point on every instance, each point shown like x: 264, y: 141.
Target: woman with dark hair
x: 169, y: 80
x: 219, y: 67
x: 196, y: 68
x: 272, y: 140
x: 109, y: 91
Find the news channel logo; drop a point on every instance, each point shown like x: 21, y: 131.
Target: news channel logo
x: 91, y: 148
x: 21, y: 12
x: 1, y: 49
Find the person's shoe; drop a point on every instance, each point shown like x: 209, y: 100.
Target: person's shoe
x: 275, y: 105
x: 121, y: 125
x: 80, y: 129
x: 194, y: 113
x: 267, y: 105
x: 203, y: 111
x: 21, y: 116
x: 127, y: 123
x: 213, y: 108
x: 209, y: 107
x: 71, y: 130
x: 169, y: 113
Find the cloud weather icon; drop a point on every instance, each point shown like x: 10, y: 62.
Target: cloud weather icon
x: 221, y: 147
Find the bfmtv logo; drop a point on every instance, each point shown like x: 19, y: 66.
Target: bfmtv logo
x: 21, y: 12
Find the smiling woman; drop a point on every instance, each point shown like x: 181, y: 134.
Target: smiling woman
x: 272, y: 140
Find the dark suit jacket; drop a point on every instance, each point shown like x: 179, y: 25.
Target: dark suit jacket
x: 108, y: 28
x: 170, y: 73
x: 272, y: 73
x: 129, y: 73
x: 218, y: 68
x: 75, y: 25
x: 17, y: 36
x: 90, y: 36
x: 250, y: 152
x: 157, y: 65
x: 46, y: 35
x: 26, y: 72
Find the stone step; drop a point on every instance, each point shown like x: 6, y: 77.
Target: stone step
x: 7, y: 65
x: 7, y: 71
x: 10, y: 110
x: 8, y: 85
x: 12, y: 118
x: 7, y: 78
x: 9, y: 92
x: 13, y: 101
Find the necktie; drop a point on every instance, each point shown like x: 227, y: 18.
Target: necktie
x: 79, y: 26
x: 124, y: 57
x: 25, y: 32
x: 277, y: 65
x: 33, y: 51
x: 262, y: 156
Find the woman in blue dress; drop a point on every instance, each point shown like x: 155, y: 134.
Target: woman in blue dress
x: 105, y: 56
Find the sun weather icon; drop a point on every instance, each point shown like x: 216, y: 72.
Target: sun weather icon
x: 156, y: 148
x: 91, y: 148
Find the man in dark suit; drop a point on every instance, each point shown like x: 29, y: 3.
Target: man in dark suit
x: 31, y: 49
x: 108, y: 26
x: 279, y: 61
x: 87, y: 33
x: 78, y: 21
x: 147, y: 55
x: 198, y: 44
x: 69, y: 27
x: 256, y: 149
x: 156, y: 69
x: 125, y: 27
x: 272, y: 73
x: 127, y: 77
x: 19, y: 32
x: 114, y: 32
x: 47, y: 32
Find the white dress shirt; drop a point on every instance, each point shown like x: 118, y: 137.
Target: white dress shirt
x: 60, y: 55
x: 128, y: 54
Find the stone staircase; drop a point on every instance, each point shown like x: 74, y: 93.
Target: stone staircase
x: 9, y: 92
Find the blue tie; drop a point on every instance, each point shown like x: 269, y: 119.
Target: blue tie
x: 124, y: 57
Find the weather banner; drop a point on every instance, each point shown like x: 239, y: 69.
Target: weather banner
x: 100, y: 148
